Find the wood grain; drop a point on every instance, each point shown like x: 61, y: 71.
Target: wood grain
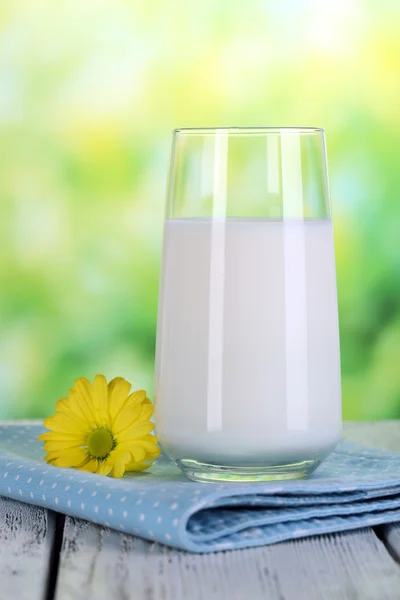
x: 391, y: 537
x: 99, y: 564
x: 26, y: 538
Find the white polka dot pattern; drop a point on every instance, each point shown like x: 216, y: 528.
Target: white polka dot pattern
x: 355, y: 487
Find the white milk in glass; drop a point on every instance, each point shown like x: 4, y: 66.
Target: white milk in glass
x: 248, y: 350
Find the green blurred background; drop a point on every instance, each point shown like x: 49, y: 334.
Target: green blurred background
x: 89, y: 92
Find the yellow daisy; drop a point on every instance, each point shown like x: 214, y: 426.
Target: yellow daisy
x: 101, y: 428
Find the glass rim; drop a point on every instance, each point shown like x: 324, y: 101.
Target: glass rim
x: 247, y: 130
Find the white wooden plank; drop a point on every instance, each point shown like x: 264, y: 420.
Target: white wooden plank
x: 391, y: 537
x: 99, y: 564
x: 26, y: 538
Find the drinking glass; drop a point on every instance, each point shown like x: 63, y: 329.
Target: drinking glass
x: 247, y: 365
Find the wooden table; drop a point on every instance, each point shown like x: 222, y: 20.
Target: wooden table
x: 44, y: 555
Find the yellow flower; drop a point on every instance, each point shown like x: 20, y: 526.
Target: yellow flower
x: 102, y: 429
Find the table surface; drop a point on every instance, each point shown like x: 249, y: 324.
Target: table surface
x: 44, y: 555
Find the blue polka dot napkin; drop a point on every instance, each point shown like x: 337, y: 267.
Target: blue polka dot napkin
x: 355, y: 487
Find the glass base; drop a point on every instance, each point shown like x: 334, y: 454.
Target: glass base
x: 208, y: 473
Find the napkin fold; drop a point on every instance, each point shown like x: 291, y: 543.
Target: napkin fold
x: 355, y: 487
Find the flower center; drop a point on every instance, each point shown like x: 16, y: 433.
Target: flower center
x: 100, y: 442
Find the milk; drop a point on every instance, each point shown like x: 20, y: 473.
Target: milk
x: 248, y: 368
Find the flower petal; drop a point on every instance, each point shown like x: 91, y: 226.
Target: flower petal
x: 116, y: 383
x: 120, y: 459
x: 118, y: 392
x: 152, y: 454
x: 147, y: 411
x: 68, y: 405
x: 133, y: 467
x: 104, y: 468
x: 62, y: 403
x: 73, y: 414
x: 91, y: 466
x: 77, y: 405
x: 73, y: 457
x: 137, y: 454
x: 54, y: 435
x: 59, y: 446
x: 64, y: 423
x: 137, y: 430
x: 147, y: 442
x: 83, y: 392
x: 131, y: 404
x: 126, y: 418
x: 100, y: 396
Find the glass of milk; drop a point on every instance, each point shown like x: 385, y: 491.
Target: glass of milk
x: 248, y: 365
